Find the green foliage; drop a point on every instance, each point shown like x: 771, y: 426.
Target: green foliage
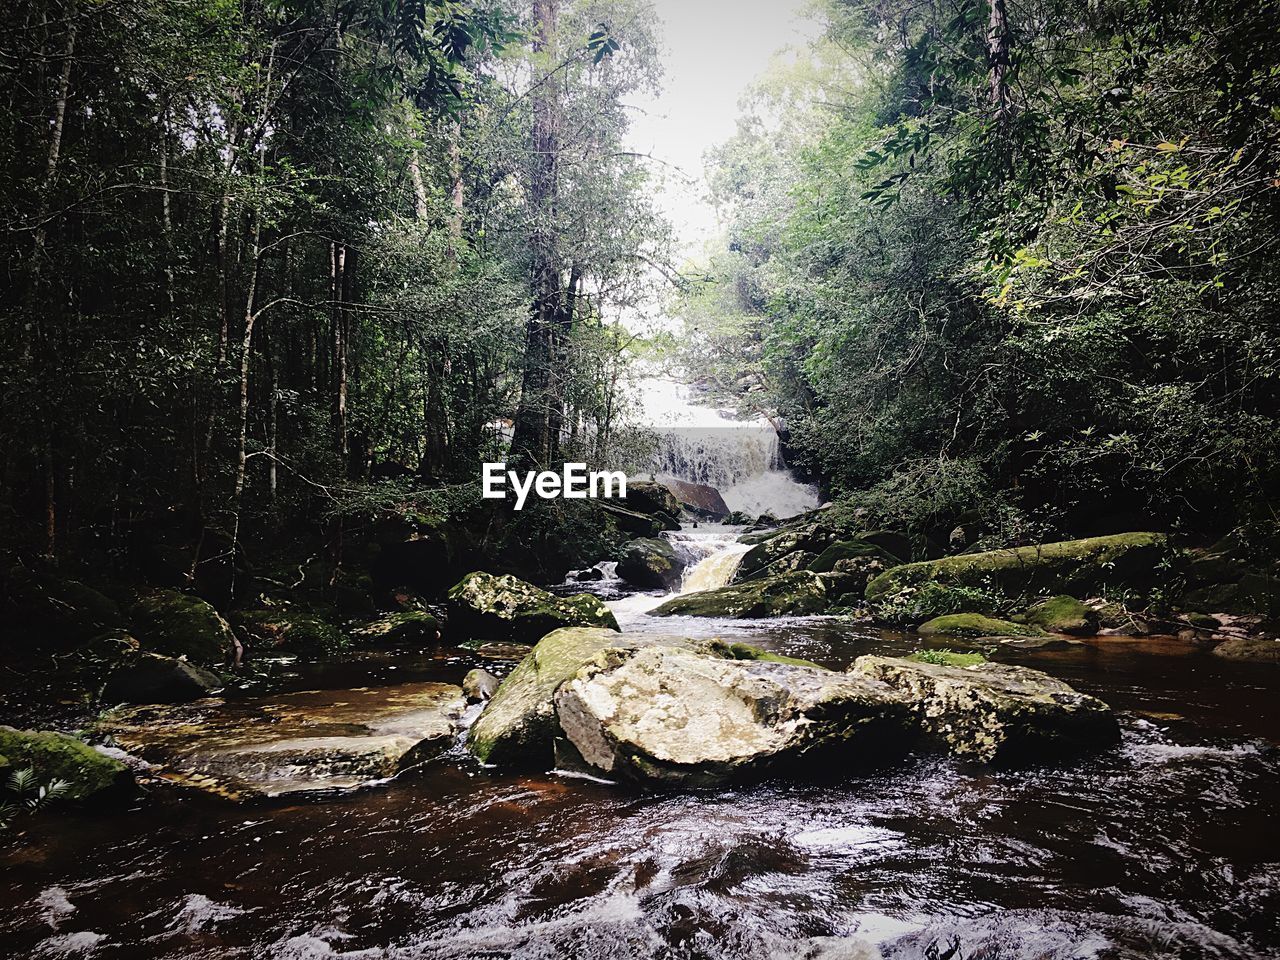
x: 947, y: 658
x: 916, y: 603
x: 1046, y: 295
x: 24, y: 793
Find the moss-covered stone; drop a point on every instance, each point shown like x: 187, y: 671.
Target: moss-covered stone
x: 404, y: 626
x: 182, y: 625
x: 1249, y: 649
x: 56, y: 756
x: 1064, y: 614
x: 649, y: 496
x: 297, y: 630
x: 650, y: 563
x: 507, y: 608
x: 856, y: 550
x: 518, y: 725
x: 745, y: 651
x: 1084, y: 567
x: 788, y: 563
x: 948, y: 658
x: 975, y: 625
x: 997, y: 712
x: 791, y: 594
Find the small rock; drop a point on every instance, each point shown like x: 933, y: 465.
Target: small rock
x: 479, y: 685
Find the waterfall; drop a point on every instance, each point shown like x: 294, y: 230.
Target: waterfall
x: 714, y: 570
x: 740, y: 458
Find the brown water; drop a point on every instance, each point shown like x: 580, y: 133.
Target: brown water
x: 1166, y: 847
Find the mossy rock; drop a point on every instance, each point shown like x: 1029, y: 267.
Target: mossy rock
x: 405, y: 626
x: 972, y: 625
x: 791, y: 562
x: 827, y: 560
x: 296, y: 629
x: 791, y: 594
x: 650, y: 563
x: 507, y: 608
x: 182, y: 625
x: 745, y: 651
x: 56, y: 756
x: 1249, y: 650
x: 1085, y: 567
x: 1064, y: 614
x: 518, y: 726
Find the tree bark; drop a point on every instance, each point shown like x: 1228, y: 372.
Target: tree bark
x: 998, y: 60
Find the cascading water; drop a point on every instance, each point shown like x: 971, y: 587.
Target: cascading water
x: 742, y: 459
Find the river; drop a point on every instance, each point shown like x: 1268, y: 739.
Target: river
x: 1165, y: 847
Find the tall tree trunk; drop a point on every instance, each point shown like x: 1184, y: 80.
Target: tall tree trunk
x: 998, y: 60
x: 532, y: 435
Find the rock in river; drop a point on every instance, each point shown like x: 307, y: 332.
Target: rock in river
x: 518, y: 726
x: 995, y: 711
x: 296, y: 742
x: 791, y: 594
x: 151, y: 678
x: 671, y: 716
x: 651, y: 563
x: 507, y: 608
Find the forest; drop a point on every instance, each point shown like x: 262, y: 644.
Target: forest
x: 937, y: 619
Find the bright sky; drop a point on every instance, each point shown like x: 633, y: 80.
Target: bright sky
x: 714, y: 49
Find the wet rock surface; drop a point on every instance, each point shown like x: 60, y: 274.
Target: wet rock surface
x: 312, y: 740
x: 507, y: 608
x: 669, y: 716
x: 790, y: 594
x: 151, y: 678
x: 997, y: 712
x: 651, y: 563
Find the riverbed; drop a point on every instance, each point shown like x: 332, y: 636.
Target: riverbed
x: 1164, y: 847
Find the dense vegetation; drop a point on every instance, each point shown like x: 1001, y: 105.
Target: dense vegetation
x: 1018, y: 259
x: 261, y: 254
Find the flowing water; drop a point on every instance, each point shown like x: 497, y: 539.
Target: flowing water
x: 1165, y: 847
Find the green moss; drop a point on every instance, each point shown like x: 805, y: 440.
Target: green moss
x: 179, y: 624
x: 299, y: 631
x: 745, y: 651
x: 1064, y: 614
x: 1082, y: 566
x: 975, y: 625
x: 826, y: 561
x: 407, y: 626
x: 947, y: 658
x: 791, y: 594
x: 505, y: 607
x: 56, y: 756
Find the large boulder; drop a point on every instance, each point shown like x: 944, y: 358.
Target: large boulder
x: 1064, y: 614
x: 1084, y: 567
x: 997, y: 712
x: 314, y: 740
x: 151, y: 678
x: 699, y: 498
x: 651, y: 563
x: 791, y: 594
x: 505, y: 607
x: 518, y: 726
x: 633, y: 521
x: 787, y: 563
x: 859, y: 550
x: 182, y: 625
x: 669, y: 716
x: 56, y: 756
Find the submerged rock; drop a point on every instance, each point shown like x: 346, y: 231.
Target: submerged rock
x: 671, y: 716
x: 1064, y: 614
x: 56, y: 756
x: 997, y: 712
x: 650, y: 563
x: 479, y: 685
x: 296, y: 742
x: 518, y: 726
x: 485, y: 605
x: 791, y: 594
x: 1081, y: 566
x: 151, y: 678
x: 179, y: 624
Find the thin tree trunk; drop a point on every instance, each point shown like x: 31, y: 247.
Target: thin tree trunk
x: 998, y: 60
